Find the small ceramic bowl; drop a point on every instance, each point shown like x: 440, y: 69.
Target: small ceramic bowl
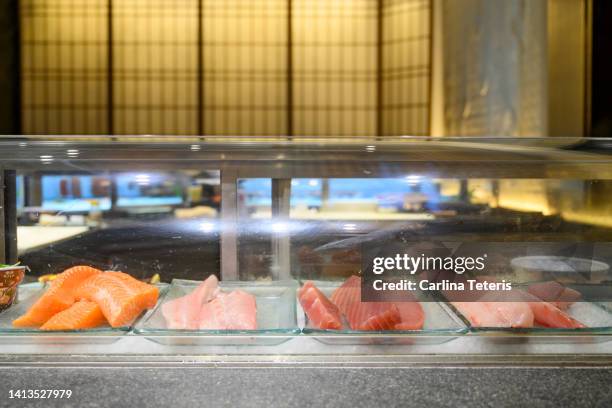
x: 10, y: 278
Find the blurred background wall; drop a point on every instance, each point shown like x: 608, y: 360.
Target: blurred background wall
x: 406, y: 67
x: 495, y: 67
x: 290, y: 68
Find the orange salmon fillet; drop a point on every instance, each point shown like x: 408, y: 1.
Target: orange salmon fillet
x: 60, y: 296
x: 149, y: 292
x: 121, y: 297
x: 81, y: 315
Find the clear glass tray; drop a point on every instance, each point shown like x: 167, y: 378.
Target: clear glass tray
x: 27, y: 295
x: 440, y: 325
x: 594, y: 315
x: 276, y: 317
x: 597, y: 319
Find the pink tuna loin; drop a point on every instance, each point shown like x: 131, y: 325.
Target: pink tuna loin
x: 524, y: 313
x: 496, y: 314
x: 236, y: 310
x: 545, y: 313
x: 555, y: 293
x: 184, y: 312
x: 549, y: 315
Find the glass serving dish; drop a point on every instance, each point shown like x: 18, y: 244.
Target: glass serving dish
x: 440, y: 326
x: 276, y: 317
x: 593, y: 314
x: 30, y: 293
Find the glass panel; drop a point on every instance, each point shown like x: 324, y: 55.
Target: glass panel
x: 324, y: 212
x: 113, y: 221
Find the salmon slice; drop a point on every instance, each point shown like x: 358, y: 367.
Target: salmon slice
x: 321, y: 312
x: 59, y: 297
x: 236, y: 310
x: 364, y: 315
x: 120, y: 297
x: 81, y: 315
x: 149, y: 292
x: 496, y: 314
x: 184, y: 312
x: 555, y: 293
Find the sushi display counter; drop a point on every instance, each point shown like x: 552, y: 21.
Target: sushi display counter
x: 144, y: 299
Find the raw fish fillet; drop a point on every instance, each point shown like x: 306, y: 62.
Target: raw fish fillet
x: 81, y: 315
x: 555, y: 293
x: 412, y: 316
x: 150, y: 292
x: 496, y: 314
x: 321, y: 312
x: 236, y: 310
x: 121, y: 297
x: 184, y: 312
x: 548, y: 315
x: 544, y: 313
x: 364, y: 315
x: 60, y: 296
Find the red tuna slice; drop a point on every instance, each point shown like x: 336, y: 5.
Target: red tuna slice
x: 555, y: 293
x: 236, y: 310
x: 321, y: 312
x: 184, y: 312
x: 412, y: 316
x: 364, y: 315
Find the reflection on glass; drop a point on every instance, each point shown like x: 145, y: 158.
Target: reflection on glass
x: 168, y: 222
x: 148, y: 223
x: 330, y: 219
x: 148, y: 189
x: 20, y: 194
x: 75, y: 193
x: 356, y: 198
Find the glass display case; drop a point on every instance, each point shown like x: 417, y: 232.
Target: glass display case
x: 265, y: 248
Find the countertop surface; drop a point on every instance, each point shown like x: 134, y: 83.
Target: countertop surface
x: 294, y: 386
x: 469, y: 371
x: 29, y: 237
